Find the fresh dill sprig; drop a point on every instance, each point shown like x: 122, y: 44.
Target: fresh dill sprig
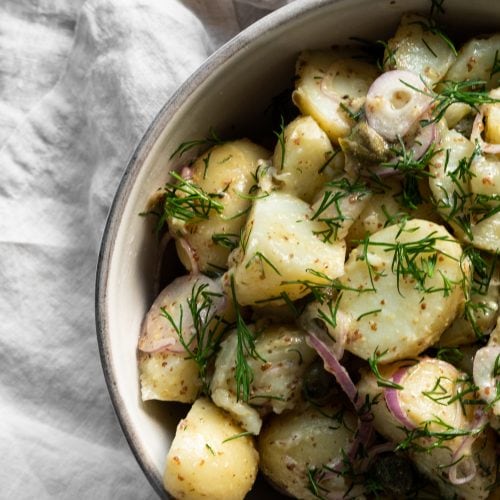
x: 328, y: 160
x: 436, y: 8
x: 353, y: 115
x: 281, y: 141
x: 466, y: 393
x: 463, y: 207
x: 412, y: 259
x: 245, y: 348
x: 373, y: 362
x: 314, y: 478
x: 478, y: 285
x: 335, y: 192
x: 237, y: 436
x: 451, y: 355
x: 211, y: 140
x: 406, y: 162
x: 423, y: 439
x: 471, y: 92
x: 262, y: 259
x: 495, y: 68
x: 439, y: 393
x: 325, y: 291
x: 375, y: 52
x: 333, y: 307
x: 226, y: 240
x: 413, y: 170
x: 208, y: 327
x: 431, y: 26
x: 187, y: 202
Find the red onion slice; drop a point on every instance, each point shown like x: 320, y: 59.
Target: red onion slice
x: 426, y: 136
x: 476, y: 136
x: 461, y: 459
x: 467, y: 469
x: 332, y: 365
x: 392, y: 106
x: 364, y: 433
x: 391, y: 397
x: 157, y: 333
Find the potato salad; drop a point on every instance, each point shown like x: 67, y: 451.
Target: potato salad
x: 334, y: 327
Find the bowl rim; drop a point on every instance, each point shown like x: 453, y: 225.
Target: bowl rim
x: 230, y: 49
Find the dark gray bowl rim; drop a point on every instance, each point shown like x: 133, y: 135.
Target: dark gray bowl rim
x: 134, y: 165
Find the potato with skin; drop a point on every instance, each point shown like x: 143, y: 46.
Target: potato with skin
x: 166, y: 373
x: 384, y: 309
x: 302, y: 158
x: 430, y: 399
x: 168, y: 377
x: 415, y: 49
x: 329, y: 82
x: 204, y: 462
x: 227, y: 170
x: 453, y: 150
x: 281, y: 245
x: 283, y: 358
x: 292, y: 445
x: 492, y: 119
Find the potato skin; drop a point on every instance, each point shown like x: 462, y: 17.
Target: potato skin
x: 293, y: 443
x: 203, y: 464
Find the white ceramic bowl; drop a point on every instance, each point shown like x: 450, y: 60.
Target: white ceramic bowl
x: 229, y: 92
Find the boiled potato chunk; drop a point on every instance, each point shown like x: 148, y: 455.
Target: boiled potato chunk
x: 204, y: 462
x: 460, y: 199
x: 341, y: 202
x: 475, y: 61
x: 461, y: 332
x: 281, y: 245
x: 492, y: 119
x: 293, y: 445
x: 302, y: 159
x: 276, y: 386
x: 415, y: 49
x: 229, y: 171
x: 384, y: 209
x: 485, y: 175
x: 159, y: 333
x: 430, y: 399
x: 385, y: 311
x: 453, y: 148
x: 328, y: 83
x: 166, y: 372
x: 168, y: 377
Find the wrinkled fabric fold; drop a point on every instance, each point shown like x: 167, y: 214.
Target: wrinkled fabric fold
x: 79, y: 84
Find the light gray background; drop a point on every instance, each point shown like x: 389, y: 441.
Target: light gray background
x: 79, y: 84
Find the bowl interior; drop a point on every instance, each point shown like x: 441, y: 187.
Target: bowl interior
x: 230, y: 94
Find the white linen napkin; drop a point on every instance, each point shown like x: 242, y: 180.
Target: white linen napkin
x: 79, y: 84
